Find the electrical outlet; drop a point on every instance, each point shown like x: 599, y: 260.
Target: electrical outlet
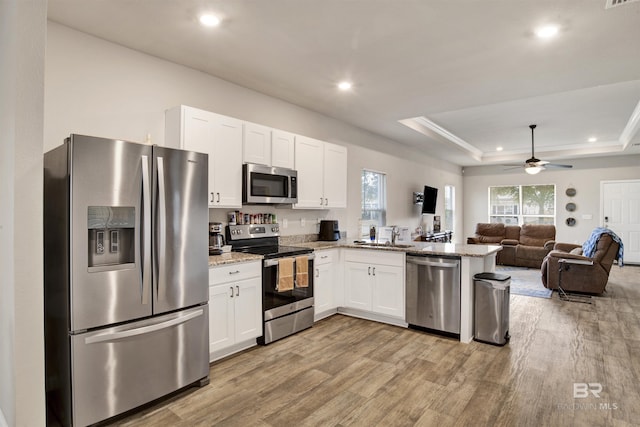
x: 285, y: 223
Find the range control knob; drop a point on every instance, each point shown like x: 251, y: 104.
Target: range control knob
x: 239, y: 231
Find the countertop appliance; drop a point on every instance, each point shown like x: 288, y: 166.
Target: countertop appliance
x: 216, y: 238
x: 126, y: 276
x: 433, y: 294
x: 285, y: 311
x: 268, y: 185
x: 329, y: 230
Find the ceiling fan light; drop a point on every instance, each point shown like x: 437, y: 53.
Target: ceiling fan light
x: 532, y: 170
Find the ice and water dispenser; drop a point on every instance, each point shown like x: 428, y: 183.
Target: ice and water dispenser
x: 111, y: 237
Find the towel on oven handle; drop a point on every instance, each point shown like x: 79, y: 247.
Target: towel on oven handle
x: 302, y: 272
x: 285, y: 275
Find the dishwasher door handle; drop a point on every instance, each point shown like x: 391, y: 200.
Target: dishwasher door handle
x: 432, y: 264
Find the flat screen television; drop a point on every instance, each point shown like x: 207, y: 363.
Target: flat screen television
x: 430, y: 197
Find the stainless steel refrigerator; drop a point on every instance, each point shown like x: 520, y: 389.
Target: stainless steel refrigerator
x: 126, y: 276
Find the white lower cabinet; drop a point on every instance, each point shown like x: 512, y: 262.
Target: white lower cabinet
x: 374, y: 282
x: 326, y: 291
x: 235, y: 308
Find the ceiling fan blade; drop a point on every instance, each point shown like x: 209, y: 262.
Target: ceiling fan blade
x: 553, y: 165
x: 511, y: 167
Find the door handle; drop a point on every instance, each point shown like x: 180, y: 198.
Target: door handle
x: 326, y: 202
x: 317, y: 273
x: 112, y: 336
x: 146, y: 206
x: 234, y: 272
x: 218, y: 201
x: 211, y: 197
x: 369, y: 271
x: 374, y: 271
x: 231, y: 288
x: 237, y: 290
x: 320, y: 201
x: 161, y: 230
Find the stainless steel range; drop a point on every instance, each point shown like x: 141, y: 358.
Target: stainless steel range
x: 287, y: 279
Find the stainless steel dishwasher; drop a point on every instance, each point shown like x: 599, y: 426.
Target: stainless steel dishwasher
x: 433, y: 293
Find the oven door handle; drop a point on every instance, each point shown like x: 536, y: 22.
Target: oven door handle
x: 274, y: 261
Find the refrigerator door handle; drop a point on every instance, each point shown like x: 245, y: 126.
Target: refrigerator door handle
x: 113, y: 336
x: 161, y: 231
x: 145, y: 271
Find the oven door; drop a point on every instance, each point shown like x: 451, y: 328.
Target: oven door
x: 278, y: 303
x: 264, y: 184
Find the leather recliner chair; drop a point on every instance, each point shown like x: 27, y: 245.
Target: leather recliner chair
x: 590, y: 279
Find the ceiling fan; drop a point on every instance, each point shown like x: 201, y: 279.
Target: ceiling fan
x: 533, y: 165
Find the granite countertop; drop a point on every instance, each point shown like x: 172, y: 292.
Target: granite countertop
x: 232, y: 258
x: 416, y: 248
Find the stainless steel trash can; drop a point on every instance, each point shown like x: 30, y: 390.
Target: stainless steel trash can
x: 491, y: 308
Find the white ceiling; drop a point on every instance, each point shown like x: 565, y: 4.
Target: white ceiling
x: 472, y: 68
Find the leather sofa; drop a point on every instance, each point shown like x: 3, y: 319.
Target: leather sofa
x: 522, y: 246
x: 580, y: 277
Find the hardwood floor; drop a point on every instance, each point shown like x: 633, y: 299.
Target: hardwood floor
x: 348, y: 371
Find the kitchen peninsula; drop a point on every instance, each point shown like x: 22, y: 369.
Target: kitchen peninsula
x: 473, y: 259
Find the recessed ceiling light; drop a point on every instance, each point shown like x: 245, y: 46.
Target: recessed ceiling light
x: 593, y: 139
x: 344, y: 85
x: 547, y: 31
x: 498, y: 148
x: 209, y: 20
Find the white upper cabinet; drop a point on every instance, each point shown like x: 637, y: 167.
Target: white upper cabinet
x: 308, y: 162
x: 335, y: 176
x: 257, y: 144
x: 282, y: 149
x: 322, y: 174
x: 220, y: 137
x: 267, y: 146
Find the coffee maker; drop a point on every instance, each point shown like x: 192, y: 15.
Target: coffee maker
x: 216, y: 239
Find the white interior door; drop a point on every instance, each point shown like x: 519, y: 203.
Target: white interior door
x: 621, y: 213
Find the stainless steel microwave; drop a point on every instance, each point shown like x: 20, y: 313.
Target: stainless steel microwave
x: 266, y: 184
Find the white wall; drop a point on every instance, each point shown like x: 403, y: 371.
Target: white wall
x: 99, y: 88
x: 585, y: 177
x: 22, y: 45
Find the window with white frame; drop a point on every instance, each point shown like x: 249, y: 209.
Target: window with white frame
x: 523, y: 204
x: 449, y: 207
x: 374, y: 200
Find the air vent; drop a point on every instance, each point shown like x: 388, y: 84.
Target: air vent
x: 613, y: 3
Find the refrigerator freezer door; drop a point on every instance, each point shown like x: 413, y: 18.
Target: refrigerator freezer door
x: 181, y: 224
x: 108, y: 281
x: 120, y: 368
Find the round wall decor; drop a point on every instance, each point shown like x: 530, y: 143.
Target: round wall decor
x: 570, y: 207
x: 570, y: 222
x: 570, y: 192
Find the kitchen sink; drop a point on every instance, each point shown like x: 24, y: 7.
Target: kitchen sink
x: 383, y: 245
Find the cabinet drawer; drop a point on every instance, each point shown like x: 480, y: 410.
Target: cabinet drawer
x: 234, y: 272
x: 325, y: 256
x: 375, y: 256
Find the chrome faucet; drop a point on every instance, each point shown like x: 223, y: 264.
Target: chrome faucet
x: 395, y: 232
